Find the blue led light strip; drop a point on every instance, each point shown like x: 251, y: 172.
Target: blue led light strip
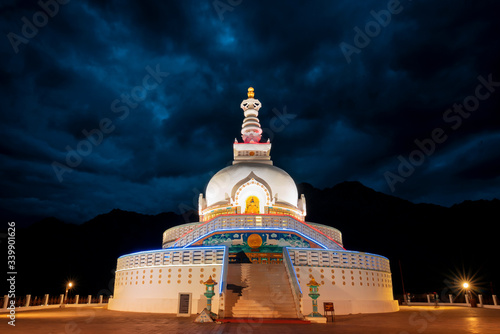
x: 224, y: 258
x: 163, y: 250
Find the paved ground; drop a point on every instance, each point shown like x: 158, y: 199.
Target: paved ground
x: 97, y: 320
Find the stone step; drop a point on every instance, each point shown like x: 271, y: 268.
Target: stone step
x: 262, y: 270
x: 269, y: 309
x: 257, y: 278
x: 263, y: 301
x: 242, y: 305
x: 262, y: 267
x: 252, y: 304
x: 263, y: 315
x: 271, y: 279
x: 255, y: 286
x: 231, y: 300
x: 265, y: 292
x: 250, y: 310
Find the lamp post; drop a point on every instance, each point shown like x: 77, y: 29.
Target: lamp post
x: 313, y: 293
x: 68, y: 286
x: 468, y: 295
x: 209, y: 293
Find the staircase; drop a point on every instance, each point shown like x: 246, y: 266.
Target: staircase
x: 259, y: 291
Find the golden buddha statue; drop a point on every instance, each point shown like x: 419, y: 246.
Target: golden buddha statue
x: 252, y: 207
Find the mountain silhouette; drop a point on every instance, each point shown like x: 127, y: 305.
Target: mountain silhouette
x: 434, y: 244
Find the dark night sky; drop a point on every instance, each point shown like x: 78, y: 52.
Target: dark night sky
x: 337, y: 104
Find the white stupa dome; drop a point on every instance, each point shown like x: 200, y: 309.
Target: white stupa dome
x: 271, y: 184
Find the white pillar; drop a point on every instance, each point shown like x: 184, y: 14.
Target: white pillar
x: 480, y: 300
x: 61, y: 299
x: 77, y: 297
x: 46, y: 300
x: 6, y: 301
x: 89, y: 300
x: 451, y: 298
x: 495, y: 301
x: 100, y: 299
x: 429, y: 299
x: 466, y: 299
x: 28, y: 299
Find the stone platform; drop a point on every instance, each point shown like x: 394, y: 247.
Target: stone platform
x: 409, y: 320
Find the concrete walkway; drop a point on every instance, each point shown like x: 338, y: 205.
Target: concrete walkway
x: 413, y: 319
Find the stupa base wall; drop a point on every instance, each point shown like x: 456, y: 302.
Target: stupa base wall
x: 165, y: 281
x: 345, y: 307
x: 161, y: 305
x: 352, y: 290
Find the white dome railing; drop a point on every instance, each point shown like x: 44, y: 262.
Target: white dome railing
x: 256, y: 222
x: 338, y: 259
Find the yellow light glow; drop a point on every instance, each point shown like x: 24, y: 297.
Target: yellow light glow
x: 70, y: 284
x: 465, y: 285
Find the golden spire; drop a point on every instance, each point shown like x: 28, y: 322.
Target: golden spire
x: 250, y: 93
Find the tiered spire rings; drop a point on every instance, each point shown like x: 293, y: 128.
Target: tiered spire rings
x: 251, y: 131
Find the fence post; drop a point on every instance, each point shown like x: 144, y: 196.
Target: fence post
x: 100, y: 299
x: 429, y: 299
x: 466, y: 298
x: 77, y: 297
x: 28, y: 299
x: 89, y: 300
x: 61, y: 299
x: 480, y: 300
x: 451, y: 298
x: 495, y: 301
x: 46, y: 300
x: 6, y: 301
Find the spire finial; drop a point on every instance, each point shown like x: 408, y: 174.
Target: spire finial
x: 250, y: 93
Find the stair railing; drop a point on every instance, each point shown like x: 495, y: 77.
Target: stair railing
x: 294, y: 283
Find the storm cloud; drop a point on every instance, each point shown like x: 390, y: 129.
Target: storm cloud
x: 135, y: 105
